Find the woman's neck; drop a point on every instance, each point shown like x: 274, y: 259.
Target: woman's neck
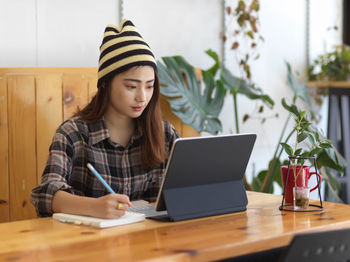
x: 120, y: 128
x: 119, y: 122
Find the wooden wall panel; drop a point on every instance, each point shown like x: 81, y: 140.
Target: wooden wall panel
x: 188, y: 131
x: 169, y: 115
x: 49, y: 115
x: 22, y: 151
x: 4, y: 169
x: 75, y: 93
x: 92, y: 85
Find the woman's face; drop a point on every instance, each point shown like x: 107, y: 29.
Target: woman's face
x: 131, y: 91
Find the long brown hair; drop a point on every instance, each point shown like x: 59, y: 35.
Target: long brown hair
x: 150, y: 123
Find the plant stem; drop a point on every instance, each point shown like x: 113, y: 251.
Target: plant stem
x: 236, y: 111
x: 268, y: 177
x: 246, y: 184
x: 297, y: 128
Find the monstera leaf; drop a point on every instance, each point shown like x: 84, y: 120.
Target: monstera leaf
x: 300, y: 90
x: 196, y: 103
x: 236, y: 85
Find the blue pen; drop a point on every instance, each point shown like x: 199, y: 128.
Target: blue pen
x: 93, y: 170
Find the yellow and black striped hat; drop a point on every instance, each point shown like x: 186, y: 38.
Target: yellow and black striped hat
x: 121, y: 49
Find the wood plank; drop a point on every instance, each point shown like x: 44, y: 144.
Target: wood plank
x: 330, y: 84
x: 49, y: 115
x: 75, y: 93
x: 92, y: 85
x: 4, y: 178
x: 22, y: 151
x: 40, y: 70
x: 188, y: 131
x: 169, y: 115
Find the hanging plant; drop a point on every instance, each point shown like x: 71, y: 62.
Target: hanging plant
x: 242, y: 34
x: 243, y: 37
x: 332, y: 66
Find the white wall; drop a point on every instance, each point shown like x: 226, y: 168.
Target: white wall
x: 68, y: 33
x: 54, y: 33
x: 18, y: 33
x: 180, y: 27
x: 325, y: 15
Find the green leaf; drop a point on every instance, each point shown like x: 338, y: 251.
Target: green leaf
x: 315, y: 151
x: 312, y: 139
x: 292, y: 108
x: 305, y: 154
x: 195, y: 107
x: 287, y: 148
x: 213, y: 70
x: 254, y: 5
x: 305, y: 125
x: 285, y: 105
x: 325, y: 145
x: 332, y: 185
x: 301, y: 161
x: 238, y: 85
x: 258, y: 181
x: 297, y: 152
x: 250, y: 34
x: 317, y: 136
x: 334, y: 154
x: 302, y: 137
x: 326, y: 158
x: 274, y: 174
x: 277, y: 171
x: 300, y: 90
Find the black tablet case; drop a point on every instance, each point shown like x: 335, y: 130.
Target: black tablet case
x: 204, y: 176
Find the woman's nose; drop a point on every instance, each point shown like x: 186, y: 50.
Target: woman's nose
x: 141, y: 95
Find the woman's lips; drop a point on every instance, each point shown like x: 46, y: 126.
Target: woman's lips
x: 137, y: 108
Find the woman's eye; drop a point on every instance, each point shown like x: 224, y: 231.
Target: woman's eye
x: 131, y: 87
x: 149, y: 87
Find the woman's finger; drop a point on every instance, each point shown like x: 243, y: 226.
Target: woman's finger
x: 121, y: 206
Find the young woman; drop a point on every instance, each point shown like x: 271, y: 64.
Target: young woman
x: 120, y: 132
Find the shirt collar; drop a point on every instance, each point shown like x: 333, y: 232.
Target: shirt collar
x: 98, y: 132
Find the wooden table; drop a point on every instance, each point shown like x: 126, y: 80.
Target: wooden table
x: 261, y: 227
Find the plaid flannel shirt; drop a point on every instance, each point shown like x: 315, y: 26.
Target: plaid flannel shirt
x: 76, y: 143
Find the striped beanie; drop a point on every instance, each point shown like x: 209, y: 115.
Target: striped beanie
x: 121, y: 49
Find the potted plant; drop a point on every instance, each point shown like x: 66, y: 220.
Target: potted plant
x: 309, y: 143
x: 332, y: 66
x: 330, y: 162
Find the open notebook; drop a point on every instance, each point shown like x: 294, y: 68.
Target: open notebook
x: 128, y: 218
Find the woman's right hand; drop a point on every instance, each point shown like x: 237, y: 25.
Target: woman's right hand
x: 110, y: 206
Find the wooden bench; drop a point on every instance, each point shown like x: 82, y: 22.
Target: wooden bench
x: 33, y: 102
